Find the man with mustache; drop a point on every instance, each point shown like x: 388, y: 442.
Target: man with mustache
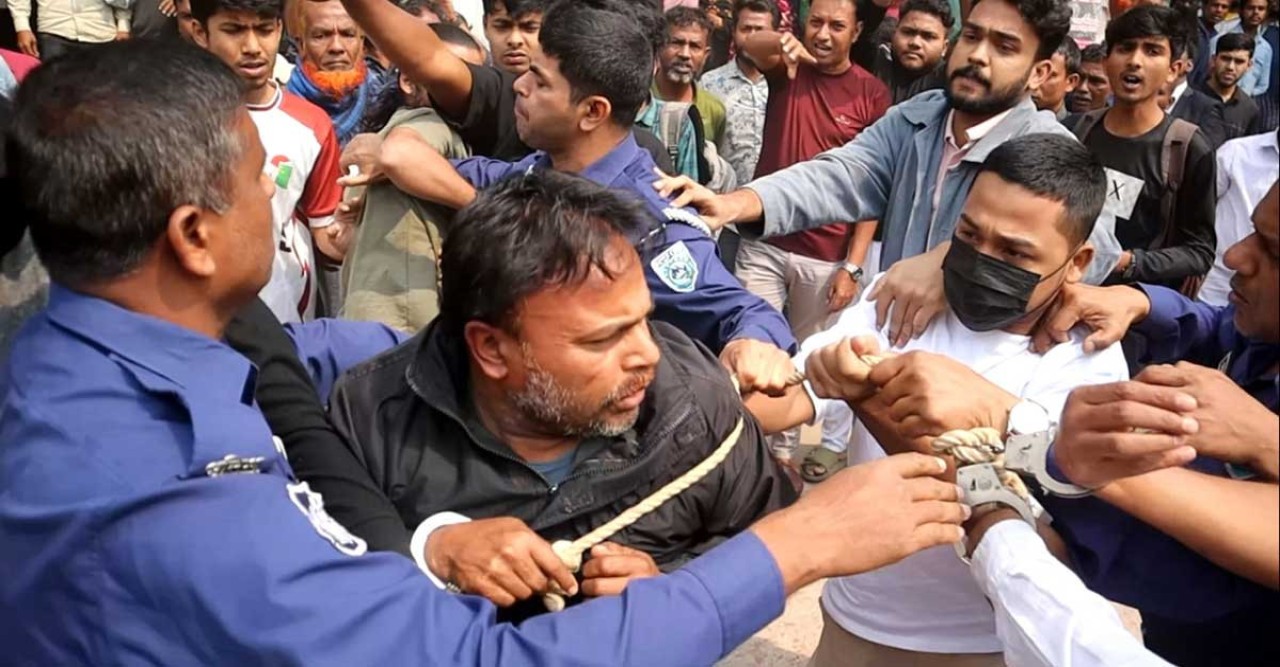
x: 818, y: 100
x: 302, y: 152
x: 1095, y: 89
x: 680, y: 61
x: 331, y: 72
x: 913, y: 169
x: 541, y: 407
x: 915, y: 60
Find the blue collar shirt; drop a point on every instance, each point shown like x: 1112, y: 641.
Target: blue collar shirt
x: 147, y: 517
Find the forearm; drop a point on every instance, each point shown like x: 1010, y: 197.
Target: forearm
x: 777, y: 414
x: 414, y: 166
x: 1234, y: 523
x: 416, y: 49
x: 765, y: 50
x: 864, y: 233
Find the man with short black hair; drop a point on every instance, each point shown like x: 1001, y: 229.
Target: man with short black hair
x: 916, y: 58
x: 683, y: 54
x: 1212, y: 12
x: 302, y: 149
x: 1021, y: 239
x: 1095, y: 89
x: 1064, y: 78
x: 1233, y: 58
x: 1164, y: 222
x: 511, y: 27
x: 1252, y: 22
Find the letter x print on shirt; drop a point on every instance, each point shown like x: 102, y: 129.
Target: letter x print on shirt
x: 1122, y: 193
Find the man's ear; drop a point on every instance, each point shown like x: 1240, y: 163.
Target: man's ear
x: 857, y: 31
x: 189, y: 237
x: 1080, y: 263
x: 490, y: 347
x: 200, y: 35
x: 596, y: 110
x: 1073, y: 82
x: 1039, y: 74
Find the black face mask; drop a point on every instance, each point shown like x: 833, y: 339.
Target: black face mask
x: 985, y: 293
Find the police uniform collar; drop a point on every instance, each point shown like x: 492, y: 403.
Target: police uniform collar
x: 179, y: 355
x: 609, y: 168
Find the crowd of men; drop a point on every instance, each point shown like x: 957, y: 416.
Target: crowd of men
x: 326, y: 324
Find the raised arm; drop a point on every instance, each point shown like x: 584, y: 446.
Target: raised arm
x: 414, y: 47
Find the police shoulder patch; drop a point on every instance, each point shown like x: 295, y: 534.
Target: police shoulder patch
x: 676, y: 268
x: 311, y: 504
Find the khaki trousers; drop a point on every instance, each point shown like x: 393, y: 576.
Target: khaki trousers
x: 840, y: 648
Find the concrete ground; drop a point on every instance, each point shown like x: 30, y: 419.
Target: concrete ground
x: 792, y: 638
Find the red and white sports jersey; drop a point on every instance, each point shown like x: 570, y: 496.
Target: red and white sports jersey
x: 302, y: 159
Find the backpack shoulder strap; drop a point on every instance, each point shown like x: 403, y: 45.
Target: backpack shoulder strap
x: 671, y: 118
x: 1173, y: 153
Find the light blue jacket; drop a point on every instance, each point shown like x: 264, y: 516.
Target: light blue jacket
x: 888, y: 173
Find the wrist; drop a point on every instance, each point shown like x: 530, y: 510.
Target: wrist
x: 984, y: 518
x: 795, y: 562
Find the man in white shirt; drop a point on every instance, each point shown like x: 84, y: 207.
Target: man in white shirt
x: 64, y: 26
x: 1246, y: 168
x: 1021, y: 237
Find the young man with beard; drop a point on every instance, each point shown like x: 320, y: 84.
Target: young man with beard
x: 916, y: 59
x: 1233, y: 58
x: 577, y: 104
x: 913, y: 169
x: 1165, y: 228
x: 302, y: 151
x: 1212, y: 12
x: 1064, y: 78
x: 1022, y: 237
x: 1256, y: 81
x: 331, y: 72
x: 819, y: 99
x: 683, y: 54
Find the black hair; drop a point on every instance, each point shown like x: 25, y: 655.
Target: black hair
x: 1050, y: 19
x: 203, y: 10
x: 106, y: 143
x: 1056, y: 167
x: 1070, y: 53
x: 937, y: 8
x: 602, y: 50
x: 528, y: 233
x: 1094, y: 53
x: 759, y: 6
x: 516, y: 9
x: 419, y: 7
x: 1150, y: 21
x: 452, y: 34
x: 1235, y: 41
x: 684, y: 17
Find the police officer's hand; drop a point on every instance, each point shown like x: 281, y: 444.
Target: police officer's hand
x: 909, y: 295
x: 1107, y: 311
x: 759, y: 366
x: 1122, y: 429
x: 1233, y: 426
x: 839, y: 371
x: 612, y: 566
x: 863, y: 518
x: 501, y: 559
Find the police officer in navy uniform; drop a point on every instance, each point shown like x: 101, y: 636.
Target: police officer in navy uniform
x: 577, y: 106
x: 147, y: 515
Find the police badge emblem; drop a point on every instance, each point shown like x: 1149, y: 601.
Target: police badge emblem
x: 676, y: 268
x: 311, y: 504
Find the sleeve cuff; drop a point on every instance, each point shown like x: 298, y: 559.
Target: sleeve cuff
x: 1161, y: 318
x: 781, y: 338
x: 1002, y: 544
x: 418, y: 543
x: 320, y: 222
x: 1051, y: 466
x: 21, y: 23
x: 744, y: 609
x: 123, y: 23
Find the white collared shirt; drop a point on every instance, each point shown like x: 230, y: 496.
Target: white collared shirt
x: 1176, y: 95
x: 1045, y: 616
x: 92, y: 21
x: 1246, y: 169
x: 953, y: 153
